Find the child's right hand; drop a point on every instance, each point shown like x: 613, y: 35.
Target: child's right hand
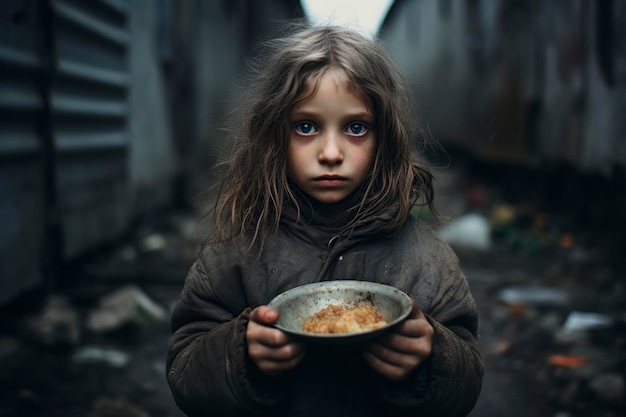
x: 272, y: 350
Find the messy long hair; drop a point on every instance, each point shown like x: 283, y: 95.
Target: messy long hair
x: 255, y: 186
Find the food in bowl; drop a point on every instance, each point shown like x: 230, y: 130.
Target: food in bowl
x: 301, y: 303
x: 339, y: 319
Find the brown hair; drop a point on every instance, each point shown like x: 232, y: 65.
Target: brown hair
x: 255, y: 187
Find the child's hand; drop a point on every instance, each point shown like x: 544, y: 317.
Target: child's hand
x: 400, y: 351
x: 270, y: 349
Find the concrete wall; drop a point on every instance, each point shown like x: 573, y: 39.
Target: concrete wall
x: 528, y: 83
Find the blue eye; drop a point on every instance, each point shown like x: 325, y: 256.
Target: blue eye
x: 305, y: 129
x: 356, y: 129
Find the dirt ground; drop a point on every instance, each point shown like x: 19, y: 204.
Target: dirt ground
x: 529, y: 371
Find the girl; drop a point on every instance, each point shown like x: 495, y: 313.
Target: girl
x: 320, y: 186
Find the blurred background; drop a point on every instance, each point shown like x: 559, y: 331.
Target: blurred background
x: 112, y: 114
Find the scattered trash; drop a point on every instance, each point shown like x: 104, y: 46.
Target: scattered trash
x: 503, y: 214
x: 578, y: 322
x: 609, y: 387
x: 517, y: 310
x: 500, y: 347
x: 521, y: 227
x: 567, y: 361
x: 586, y: 373
x: 534, y: 295
x: 153, y: 242
x: 92, y: 354
x: 120, y: 407
x: 470, y: 231
x: 567, y: 240
x: 126, y: 305
x: 56, y: 325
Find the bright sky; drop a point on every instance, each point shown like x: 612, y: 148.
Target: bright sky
x: 364, y: 15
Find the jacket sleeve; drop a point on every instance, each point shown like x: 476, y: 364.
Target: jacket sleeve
x: 208, y: 369
x: 449, y: 382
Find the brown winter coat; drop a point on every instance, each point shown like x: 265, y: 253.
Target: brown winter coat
x: 208, y: 368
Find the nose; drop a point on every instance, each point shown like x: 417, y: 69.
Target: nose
x: 331, y: 152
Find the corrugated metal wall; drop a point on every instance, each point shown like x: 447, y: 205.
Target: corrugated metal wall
x: 104, y: 104
x: 23, y: 167
x: 64, y: 80
x: 89, y: 110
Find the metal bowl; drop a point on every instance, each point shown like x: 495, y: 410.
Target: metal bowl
x: 298, y: 304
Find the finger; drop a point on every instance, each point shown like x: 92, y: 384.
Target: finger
x: 264, y: 315
x: 283, y: 353
x: 392, y: 357
x: 275, y: 361
x: 413, y: 328
x: 265, y: 335
x: 272, y: 367
x: 399, y: 343
x: 391, y: 371
x: 414, y: 337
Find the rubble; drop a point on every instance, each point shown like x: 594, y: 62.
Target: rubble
x: 560, y: 324
x: 608, y: 386
x: 119, y: 407
x: 581, y: 353
x: 56, y: 325
x: 552, y: 320
x: 95, y: 354
x: 533, y: 295
x: 154, y: 242
x: 470, y: 231
x: 127, y: 305
x: 579, y: 323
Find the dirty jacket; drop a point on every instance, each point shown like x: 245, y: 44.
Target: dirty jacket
x: 210, y: 373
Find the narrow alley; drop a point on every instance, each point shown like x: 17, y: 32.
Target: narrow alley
x: 113, y: 114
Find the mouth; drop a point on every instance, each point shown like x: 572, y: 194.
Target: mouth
x: 330, y: 180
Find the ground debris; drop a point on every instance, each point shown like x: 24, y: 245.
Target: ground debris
x: 534, y: 295
x: 94, y: 354
x: 470, y: 231
x: 567, y: 361
x: 56, y: 325
x: 119, y: 407
x: 578, y: 325
x: 586, y: 374
x: 125, y: 305
x: 608, y: 386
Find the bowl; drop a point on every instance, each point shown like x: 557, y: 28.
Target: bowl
x: 298, y: 304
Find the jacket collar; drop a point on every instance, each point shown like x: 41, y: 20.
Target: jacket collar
x: 325, y: 225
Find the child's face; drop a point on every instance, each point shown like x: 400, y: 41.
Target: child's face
x: 332, y: 141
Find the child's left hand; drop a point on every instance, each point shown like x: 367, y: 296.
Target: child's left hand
x: 401, y: 350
